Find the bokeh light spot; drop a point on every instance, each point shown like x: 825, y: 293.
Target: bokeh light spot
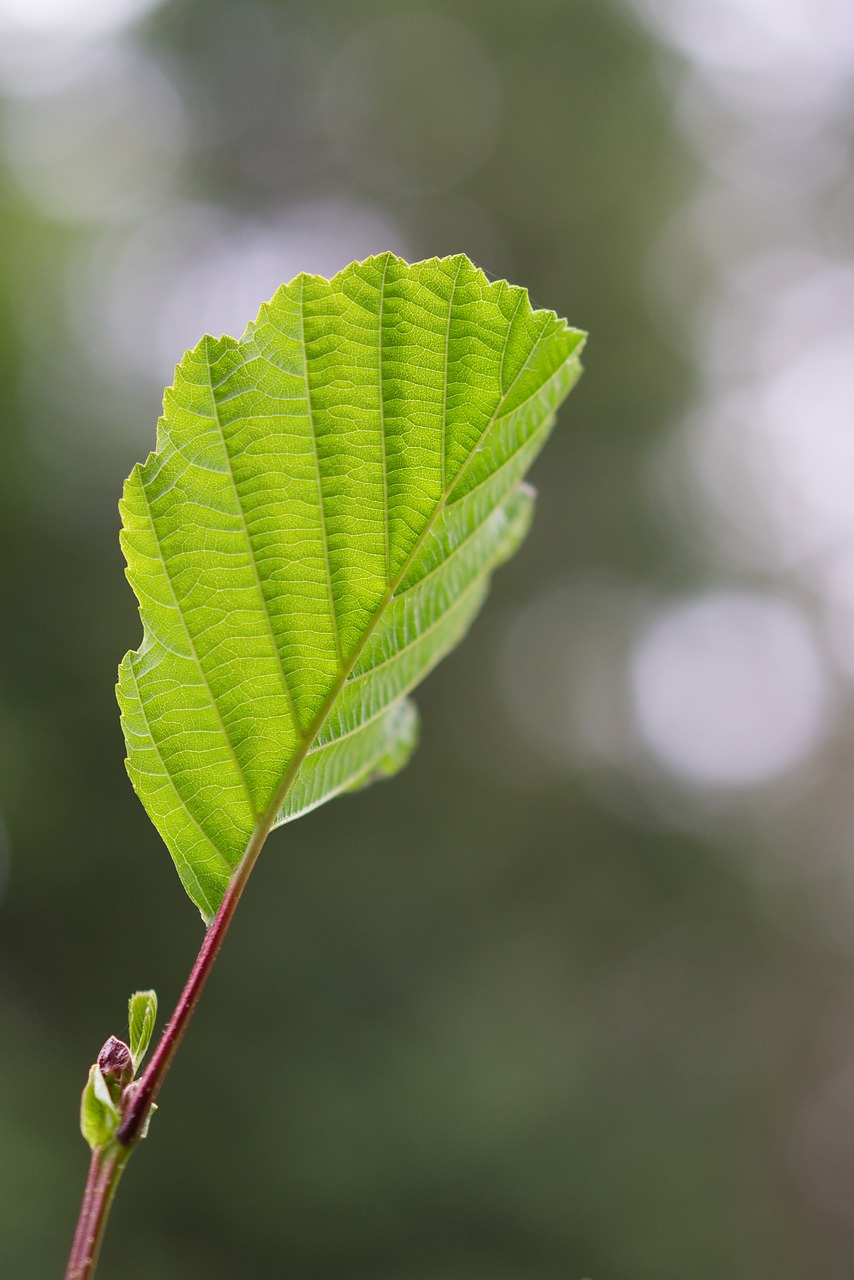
x: 104, y: 145
x: 72, y: 16
x: 729, y: 688
x: 141, y: 300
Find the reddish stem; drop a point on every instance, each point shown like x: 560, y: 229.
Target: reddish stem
x: 108, y: 1162
x: 105, y: 1169
x: 144, y: 1092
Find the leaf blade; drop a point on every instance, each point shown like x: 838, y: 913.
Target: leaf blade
x: 316, y: 529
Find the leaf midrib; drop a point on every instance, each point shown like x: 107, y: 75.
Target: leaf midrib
x: 474, y: 586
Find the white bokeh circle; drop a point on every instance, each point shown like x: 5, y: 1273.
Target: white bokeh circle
x: 729, y: 688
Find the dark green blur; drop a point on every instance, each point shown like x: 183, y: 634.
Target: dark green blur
x: 496, y: 1019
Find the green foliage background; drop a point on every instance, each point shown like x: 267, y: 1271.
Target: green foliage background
x: 492, y: 1020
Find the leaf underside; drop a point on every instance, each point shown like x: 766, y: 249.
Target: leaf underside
x: 315, y: 530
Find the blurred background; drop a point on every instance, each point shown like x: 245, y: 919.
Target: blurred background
x: 574, y: 995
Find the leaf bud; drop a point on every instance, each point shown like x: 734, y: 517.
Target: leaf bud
x: 116, y: 1064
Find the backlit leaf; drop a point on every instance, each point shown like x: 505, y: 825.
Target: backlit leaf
x: 316, y: 529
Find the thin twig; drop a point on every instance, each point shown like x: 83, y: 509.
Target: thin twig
x: 105, y: 1169
x: 108, y: 1162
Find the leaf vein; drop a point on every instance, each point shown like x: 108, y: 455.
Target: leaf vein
x: 320, y: 496
x: 195, y: 653
x: 220, y: 856
x: 250, y: 547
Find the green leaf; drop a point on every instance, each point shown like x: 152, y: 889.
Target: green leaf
x: 316, y: 529
x: 99, y: 1116
x: 142, y: 1015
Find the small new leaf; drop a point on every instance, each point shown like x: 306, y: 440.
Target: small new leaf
x: 316, y: 529
x: 99, y: 1116
x: 142, y: 1015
